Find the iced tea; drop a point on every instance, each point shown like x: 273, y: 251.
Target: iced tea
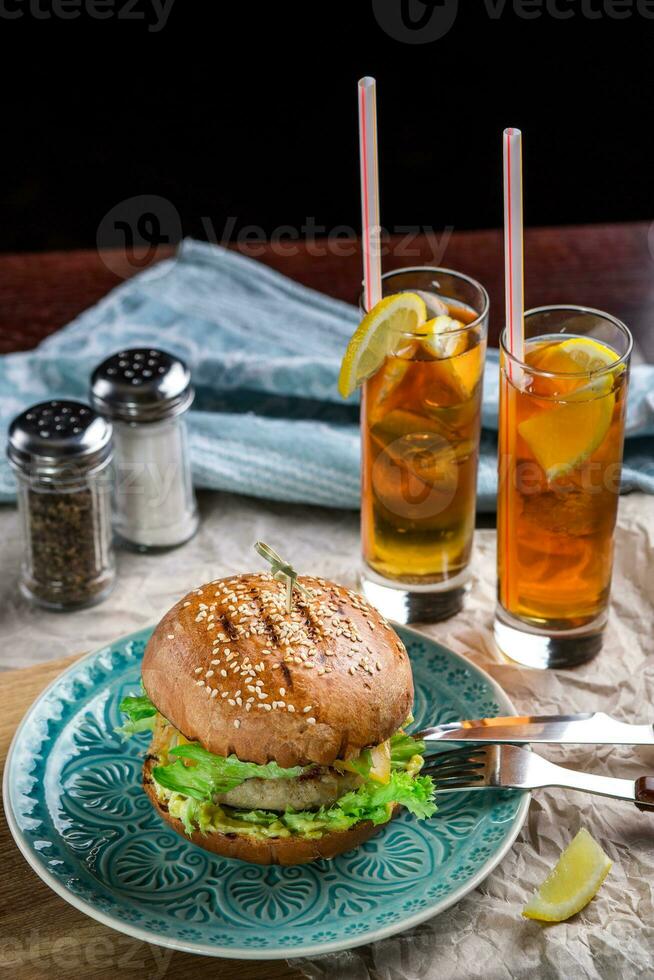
x: 560, y: 449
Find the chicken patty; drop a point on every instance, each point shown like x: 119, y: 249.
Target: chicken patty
x: 306, y: 793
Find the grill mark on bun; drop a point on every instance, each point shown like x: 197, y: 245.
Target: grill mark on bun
x: 314, y: 632
x: 288, y: 677
x: 264, y: 618
x: 229, y: 626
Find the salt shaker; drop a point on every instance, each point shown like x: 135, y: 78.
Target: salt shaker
x: 60, y: 452
x: 146, y: 394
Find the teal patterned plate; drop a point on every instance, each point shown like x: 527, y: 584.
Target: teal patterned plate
x: 75, y: 806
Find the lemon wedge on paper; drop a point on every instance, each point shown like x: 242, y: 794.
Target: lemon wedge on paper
x: 572, y: 883
x: 377, y: 335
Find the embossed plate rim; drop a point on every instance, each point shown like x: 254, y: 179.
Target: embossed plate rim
x: 146, y: 935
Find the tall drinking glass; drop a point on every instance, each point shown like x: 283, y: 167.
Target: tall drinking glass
x: 561, y: 434
x: 420, y: 425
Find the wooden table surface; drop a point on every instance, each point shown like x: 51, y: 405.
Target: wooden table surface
x: 606, y: 266
x: 609, y: 267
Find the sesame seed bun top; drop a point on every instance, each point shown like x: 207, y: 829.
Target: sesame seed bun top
x: 230, y: 668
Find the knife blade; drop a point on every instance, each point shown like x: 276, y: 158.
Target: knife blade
x: 597, y: 728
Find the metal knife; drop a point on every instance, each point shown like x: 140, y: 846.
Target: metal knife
x: 586, y: 729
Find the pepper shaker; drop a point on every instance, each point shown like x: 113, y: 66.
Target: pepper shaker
x: 146, y: 394
x: 60, y: 452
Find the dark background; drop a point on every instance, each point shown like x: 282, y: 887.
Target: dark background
x: 247, y: 111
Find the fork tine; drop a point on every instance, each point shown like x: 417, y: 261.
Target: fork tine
x: 468, y: 759
x: 457, y: 774
x: 442, y: 785
x: 458, y: 768
x: 445, y: 771
x: 458, y: 755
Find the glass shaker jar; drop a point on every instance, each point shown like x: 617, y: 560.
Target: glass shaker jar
x: 60, y: 452
x: 146, y: 394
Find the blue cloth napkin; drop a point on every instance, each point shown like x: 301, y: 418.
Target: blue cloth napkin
x: 265, y: 353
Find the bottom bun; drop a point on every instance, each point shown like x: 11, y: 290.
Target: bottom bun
x: 269, y: 850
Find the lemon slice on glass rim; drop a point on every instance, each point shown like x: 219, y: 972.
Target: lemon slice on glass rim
x: 377, y: 335
x: 574, y: 880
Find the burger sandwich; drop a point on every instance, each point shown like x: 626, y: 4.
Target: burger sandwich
x: 277, y: 708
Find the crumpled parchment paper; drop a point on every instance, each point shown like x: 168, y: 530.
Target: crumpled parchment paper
x: 483, y: 936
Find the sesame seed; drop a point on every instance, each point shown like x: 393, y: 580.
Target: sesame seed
x: 307, y: 709
x: 237, y: 723
x: 290, y: 708
x: 282, y: 691
x: 210, y: 673
x: 171, y: 636
x: 311, y: 721
x: 200, y: 683
x: 187, y: 603
x: 223, y: 673
x: 248, y: 707
x: 232, y: 702
x: 214, y: 662
x: 214, y: 693
x: 198, y: 670
x: 224, y: 694
x: 266, y: 706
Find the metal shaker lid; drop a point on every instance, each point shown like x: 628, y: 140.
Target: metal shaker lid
x: 141, y: 385
x: 55, y: 435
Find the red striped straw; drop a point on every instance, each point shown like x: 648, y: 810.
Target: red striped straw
x: 513, y: 245
x: 372, y: 289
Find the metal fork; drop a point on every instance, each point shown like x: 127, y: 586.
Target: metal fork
x: 510, y: 767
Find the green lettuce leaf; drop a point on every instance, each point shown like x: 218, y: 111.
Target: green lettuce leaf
x: 403, y: 748
x: 211, y: 774
x: 141, y: 715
